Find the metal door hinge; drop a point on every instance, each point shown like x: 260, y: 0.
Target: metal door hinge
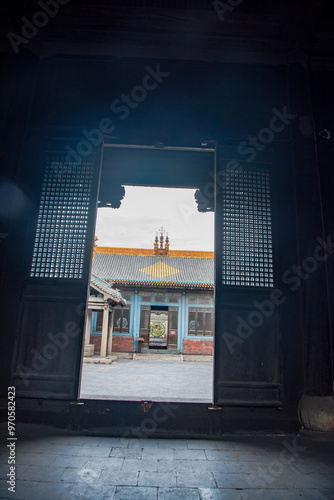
x: 146, y: 406
x: 215, y: 407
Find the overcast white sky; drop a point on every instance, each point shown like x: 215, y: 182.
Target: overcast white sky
x: 145, y: 209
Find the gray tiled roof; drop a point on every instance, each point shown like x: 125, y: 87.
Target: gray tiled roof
x: 173, y: 271
x: 105, y: 288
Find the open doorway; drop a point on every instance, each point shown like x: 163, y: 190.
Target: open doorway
x: 162, y: 337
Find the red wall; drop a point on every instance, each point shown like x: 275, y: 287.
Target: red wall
x: 126, y: 344
x: 194, y: 346
x: 122, y: 344
x: 119, y: 344
x: 96, y: 340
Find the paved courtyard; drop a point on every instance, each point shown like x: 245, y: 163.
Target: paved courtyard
x: 52, y: 464
x: 156, y: 380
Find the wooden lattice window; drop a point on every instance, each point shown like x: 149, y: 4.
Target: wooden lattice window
x: 247, y: 246
x: 200, y: 321
x: 122, y: 319
x: 60, y: 239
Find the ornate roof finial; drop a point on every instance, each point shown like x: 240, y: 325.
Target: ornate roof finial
x: 167, y: 245
x: 163, y: 249
x: 156, y: 244
x: 161, y: 238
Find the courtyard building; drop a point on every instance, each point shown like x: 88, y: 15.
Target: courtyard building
x: 169, y: 299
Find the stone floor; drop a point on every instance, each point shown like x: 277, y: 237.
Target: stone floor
x: 157, y: 380
x: 52, y: 464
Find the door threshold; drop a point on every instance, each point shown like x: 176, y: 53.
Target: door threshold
x: 159, y: 351
x: 99, y: 397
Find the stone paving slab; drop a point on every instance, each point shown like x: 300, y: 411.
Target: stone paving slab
x: 131, y: 469
x: 152, y: 380
x: 282, y: 494
x: 131, y: 493
x: 200, y: 479
x: 178, y: 494
x: 220, y: 494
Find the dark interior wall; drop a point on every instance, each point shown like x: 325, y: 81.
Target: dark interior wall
x: 323, y: 103
x: 195, y: 101
x: 19, y: 75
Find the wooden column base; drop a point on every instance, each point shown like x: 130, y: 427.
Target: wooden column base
x: 88, y: 350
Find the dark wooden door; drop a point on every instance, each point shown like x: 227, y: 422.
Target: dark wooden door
x: 246, y: 358
x: 50, y: 328
x: 145, y: 312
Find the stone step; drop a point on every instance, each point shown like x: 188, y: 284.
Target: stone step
x: 198, y: 357
x: 174, y: 357
x: 162, y: 352
x: 97, y: 359
x: 161, y: 357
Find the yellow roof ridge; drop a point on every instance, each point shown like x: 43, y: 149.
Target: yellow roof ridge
x: 198, y: 254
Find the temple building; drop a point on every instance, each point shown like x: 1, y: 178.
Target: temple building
x: 169, y: 298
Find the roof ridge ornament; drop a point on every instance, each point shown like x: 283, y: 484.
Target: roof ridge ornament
x: 163, y: 248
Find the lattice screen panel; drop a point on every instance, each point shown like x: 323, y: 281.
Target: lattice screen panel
x: 247, y: 249
x: 60, y: 239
